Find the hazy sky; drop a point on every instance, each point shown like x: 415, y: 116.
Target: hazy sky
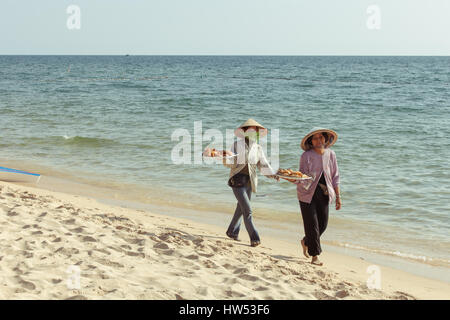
x: 238, y: 27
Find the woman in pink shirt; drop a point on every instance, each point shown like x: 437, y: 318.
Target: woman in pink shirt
x: 319, y: 162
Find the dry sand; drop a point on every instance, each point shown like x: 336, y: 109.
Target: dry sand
x: 47, y: 237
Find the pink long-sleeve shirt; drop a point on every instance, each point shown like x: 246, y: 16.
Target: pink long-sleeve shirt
x: 313, y: 164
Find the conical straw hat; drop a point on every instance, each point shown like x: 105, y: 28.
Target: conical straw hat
x: 239, y: 132
x: 332, y: 137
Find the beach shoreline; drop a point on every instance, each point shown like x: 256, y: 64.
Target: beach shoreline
x: 136, y: 197
x: 137, y: 246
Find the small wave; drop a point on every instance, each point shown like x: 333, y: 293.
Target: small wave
x: 409, y: 256
x: 80, y: 141
x: 304, y: 85
x: 68, y: 80
x: 87, y: 141
x: 281, y: 78
x: 66, y: 140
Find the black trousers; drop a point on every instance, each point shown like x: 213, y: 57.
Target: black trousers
x: 315, y: 220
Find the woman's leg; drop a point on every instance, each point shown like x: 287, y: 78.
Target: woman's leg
x: 235, y: 224
x: 244, y: 197
x: 322, y: 212
x: 311, y: 226
x: 322, y: 218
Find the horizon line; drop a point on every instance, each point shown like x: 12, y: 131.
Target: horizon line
x: 241, y: 55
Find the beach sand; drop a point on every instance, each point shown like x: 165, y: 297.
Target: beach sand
x: 48, y: 238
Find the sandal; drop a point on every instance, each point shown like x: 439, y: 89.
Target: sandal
x: 232, y: 237
x: 255, y: 243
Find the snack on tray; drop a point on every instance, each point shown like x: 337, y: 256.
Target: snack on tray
x: 291, y: 173
x: 216, y: 153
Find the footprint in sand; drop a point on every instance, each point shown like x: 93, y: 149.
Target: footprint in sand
x: 261, y: 288
x: 77, y: 297
x: 27, y: 195
x: 67, y: 251
x: 25, y: 284
x: 321, y: 274
x: 137, y: 241
x: 248, y: 277
x: 241, y: 270
x: 169, y: 252
x: 198, y: 241
x: 88, y: 239
x: 215, y: 248
x: 135, y: 254
x: 234, y: 294
x: 228, y: 266
x: 210, y: 264
x: 325, y: 286
x: 110, y: 263
x: 165, y: 237
x: 403, y: 296
x: 69, y: 221
x: 116, y: 249
x: 342, y: 294
x: 27, y: 254
x: 323, y: 296
x: 12, y: 213
x: 77, y: 230
x: 161, y: 245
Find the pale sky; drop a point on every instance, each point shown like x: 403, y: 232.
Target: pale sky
x: 226, y: 27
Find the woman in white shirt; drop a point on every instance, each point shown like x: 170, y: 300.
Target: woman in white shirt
x: 243, y: 177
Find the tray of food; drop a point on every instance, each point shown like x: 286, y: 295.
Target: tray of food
x: 213, y: 153
x: 292, y: 175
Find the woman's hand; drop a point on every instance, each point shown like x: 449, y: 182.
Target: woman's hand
x: 290, y: 180
x: 338, y: 203
x: 274, y: 177
x: 337, y: 190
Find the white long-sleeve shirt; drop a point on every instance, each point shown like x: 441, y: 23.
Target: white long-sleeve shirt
x: 253, y: 156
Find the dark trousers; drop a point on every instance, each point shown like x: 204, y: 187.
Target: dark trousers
x: 315, y: 220
x: 243, y: 210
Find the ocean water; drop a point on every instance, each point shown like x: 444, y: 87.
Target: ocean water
x: 112, y: 118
